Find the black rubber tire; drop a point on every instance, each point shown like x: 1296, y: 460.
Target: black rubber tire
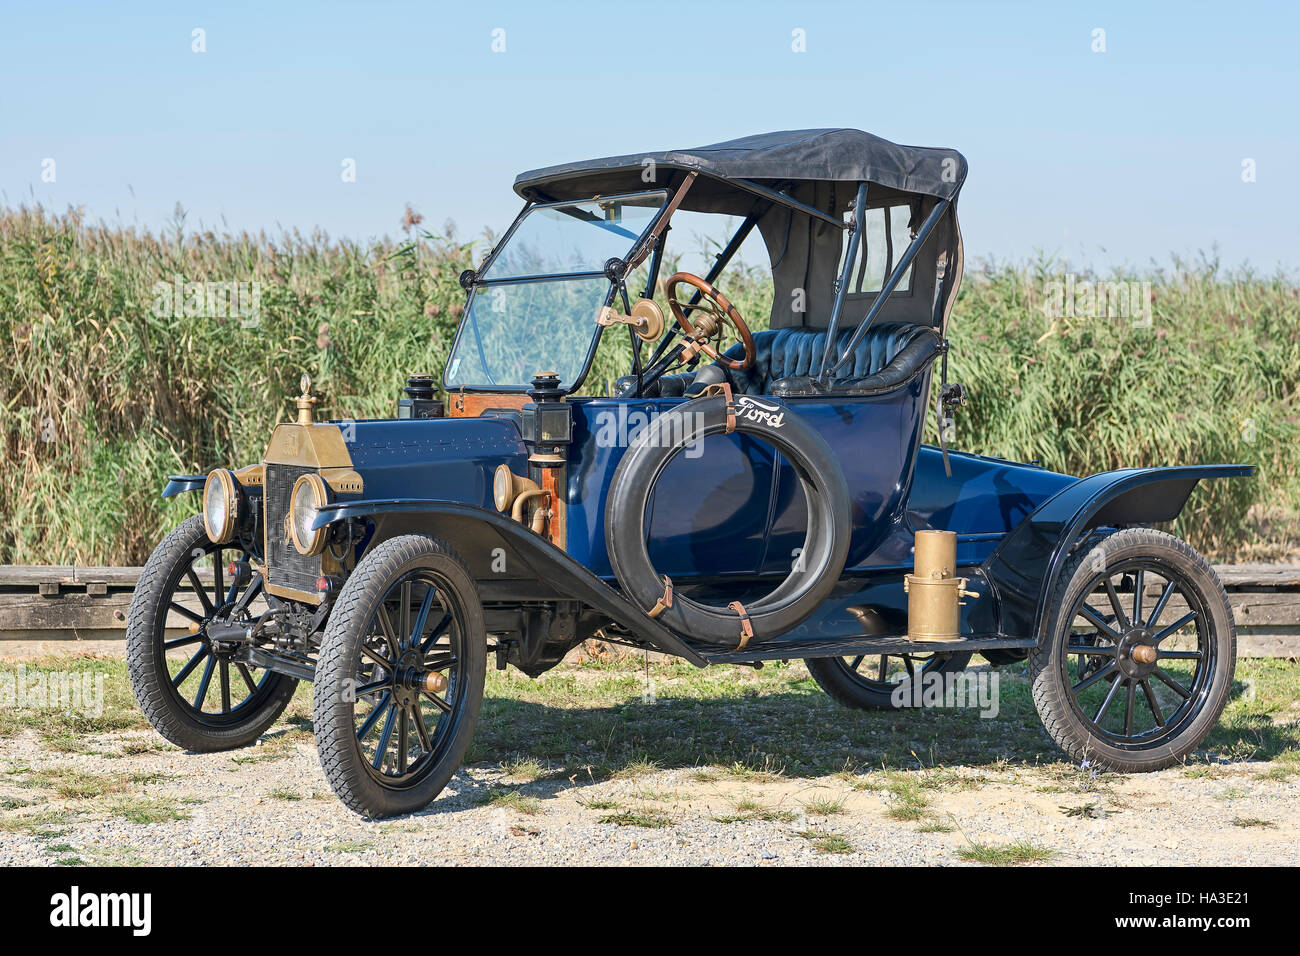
x: 171, y: 716
x: 1049, y: 676
x: 336, y: 669
x: 825, y: 492
x: 850, y: 689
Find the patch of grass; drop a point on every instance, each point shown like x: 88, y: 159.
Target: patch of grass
x: 70, y: 861
x: 748, y: 809
x: 1005, y: 854
x: 76, y: 784
x: 1088, y: 811
x: 1230, y: 793
x: 638, y: 818
x: 42, y: 825
x: 512, y: 800
x: 827, y: 842
x: 284, y: 793
x: 635, y: 768
x: 523, y: 768
x: 600, y: 804
x: 146, y: 810
x: 824, y: 806
x: 347, y: 846
x: 934, y: 826
x: 1248, y: 822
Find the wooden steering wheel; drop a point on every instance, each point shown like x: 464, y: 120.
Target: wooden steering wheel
x: 712, y: 313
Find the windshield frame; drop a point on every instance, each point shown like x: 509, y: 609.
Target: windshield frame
x: 479, y: 283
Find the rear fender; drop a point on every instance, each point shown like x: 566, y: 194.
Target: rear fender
x: 506, y: 559
x: 1025, y: 567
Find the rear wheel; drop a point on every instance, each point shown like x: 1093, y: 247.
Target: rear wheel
x: 1139, y: 656
x: 400, y: 677
x: 879, y: 681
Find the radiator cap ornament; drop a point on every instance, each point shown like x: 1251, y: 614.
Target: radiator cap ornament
x: 305, y: 401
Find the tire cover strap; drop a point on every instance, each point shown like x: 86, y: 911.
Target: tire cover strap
x: 746, y: 627
x: 724, y: 389
x: 664, y: 602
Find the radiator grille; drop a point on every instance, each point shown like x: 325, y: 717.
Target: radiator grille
x: 285, y: 566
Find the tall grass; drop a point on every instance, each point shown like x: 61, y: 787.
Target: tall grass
x: 101, y: 397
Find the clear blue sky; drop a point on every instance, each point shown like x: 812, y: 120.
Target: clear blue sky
x: 1125, y: 155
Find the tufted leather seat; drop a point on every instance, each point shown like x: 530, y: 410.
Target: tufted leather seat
x: 889, y: 355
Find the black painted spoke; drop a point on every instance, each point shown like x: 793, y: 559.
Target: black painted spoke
x: 378, y: 711
x: 884, y: 660
x: 1105, y: 704
x: 386, y: 625
x: 248, y: 678
x: 402, y: 720
x: 218, y: 577
x: 421, y: 619
x: 440, y: 663
x: 183, y: 611
x: 404, y: 614
x: 1091, y: 650
x: 1099, y: 674
x: 205, y: 681
x: 1181, y: 655
x: 421, y: 731
x: 1094, y: 616
x: 1128, y: 708
x: 907, y: 662
x: 1173, y: 685
x: 1116, y: 605
x: 375, y: 656
x: 385, y: 736
x: 1137, y: 596
x: 225, y: 687
x: 436, y: 633
x: 1185, y: 619
x: 438, y: 702
x: 182, y: 641
x: 200, y: 590
x: 1152, y: 703
x: 857, y: 662
x: 193, y: 662
x: 374, y: 687
x: 1159, y: 609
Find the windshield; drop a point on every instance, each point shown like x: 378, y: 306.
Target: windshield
x: 534, y: 305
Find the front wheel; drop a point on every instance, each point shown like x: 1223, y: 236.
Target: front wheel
x: 399, y: 679
x: 198, y: 694
x: 1139, y: 656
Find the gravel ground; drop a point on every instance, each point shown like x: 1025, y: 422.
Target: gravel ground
x: 238, y: 814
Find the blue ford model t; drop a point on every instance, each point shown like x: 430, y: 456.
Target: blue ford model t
x: 739, y: 497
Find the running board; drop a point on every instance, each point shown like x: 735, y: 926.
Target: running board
x: 875, y: 646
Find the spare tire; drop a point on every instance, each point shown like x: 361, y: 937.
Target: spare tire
x: 825, y: 492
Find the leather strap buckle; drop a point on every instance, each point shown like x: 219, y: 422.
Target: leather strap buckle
x: 664, y: 602
x: 724, y: 389
x: 746, y: 626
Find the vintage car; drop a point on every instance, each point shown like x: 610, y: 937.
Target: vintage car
x: 767, y: 499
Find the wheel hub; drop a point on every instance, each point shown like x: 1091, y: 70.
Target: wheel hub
x: 412, y: 677
x: 1136, y: 656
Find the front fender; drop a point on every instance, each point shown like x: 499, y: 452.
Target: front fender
x: 179, y: 484
x: 1025, y: 567
x: 498, y: 549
